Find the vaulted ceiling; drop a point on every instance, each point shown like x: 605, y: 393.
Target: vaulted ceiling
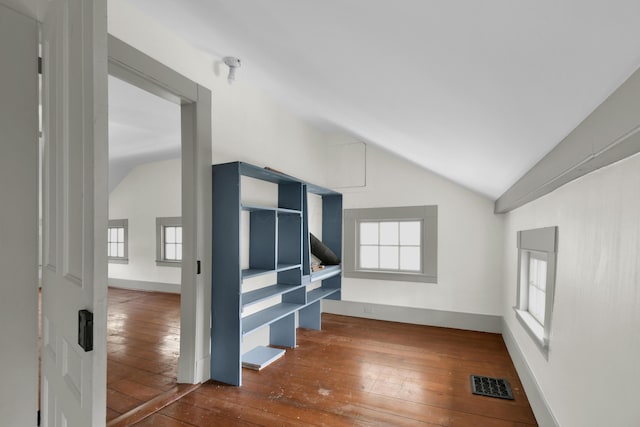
x: 476, y: 91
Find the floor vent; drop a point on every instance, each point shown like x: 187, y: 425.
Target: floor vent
x: 492, y: 387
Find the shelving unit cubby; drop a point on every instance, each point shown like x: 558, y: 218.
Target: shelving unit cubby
x: 278, y: 245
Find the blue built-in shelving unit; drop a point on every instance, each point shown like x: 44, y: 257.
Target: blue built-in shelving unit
x: 278, y: 244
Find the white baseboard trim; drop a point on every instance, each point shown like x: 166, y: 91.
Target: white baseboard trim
x: 538, y: 403
x: 141, y: 285
x: 417, y: 316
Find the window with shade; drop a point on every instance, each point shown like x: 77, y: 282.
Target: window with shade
x: 537, y: 252
x: 391, y: 243
x: 117, y: 241
x: 169, y: 241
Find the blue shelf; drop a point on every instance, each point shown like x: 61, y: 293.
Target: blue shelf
x: 325, y: 273
x: 267, y: 316
x: 285, y: 267
x: 261, y: 357
x: 255, y: 296
x: 255, y: 208
x: 278, y: 239
x: 319, y: 293
x: 253, y: 272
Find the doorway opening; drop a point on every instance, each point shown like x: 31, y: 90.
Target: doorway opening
x: 144, y: 247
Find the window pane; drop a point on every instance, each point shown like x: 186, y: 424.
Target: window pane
x: 389, y: 257
x: 369, y: 233
x: 121, y: 250
x: 113, y: 249
x: 108, y: 235
x: 121, y: 235
x: 178, y: 234
x: 410, y: 258
x: 537, y: 304
x: 170, y: 251
x: 179, y: 252
x: 537, y: 272
x: 368, y: 257
x: 113, y: 235
x: 410, y: 233
x: 170, y: 234
x: 388, y: 233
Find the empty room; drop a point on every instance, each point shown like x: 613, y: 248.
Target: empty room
x: 336, y: 213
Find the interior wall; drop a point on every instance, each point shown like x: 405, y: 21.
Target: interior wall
x: 592, y: 372
x: 247, y: 124
x: 469, y: 239
x: 150, y: 190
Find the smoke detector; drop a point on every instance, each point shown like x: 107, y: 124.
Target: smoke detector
x: 233, y: 63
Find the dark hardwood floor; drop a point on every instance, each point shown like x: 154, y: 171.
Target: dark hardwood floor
x: 143, y: 345
x: 355, y: 372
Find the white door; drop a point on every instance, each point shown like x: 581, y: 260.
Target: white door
x: 18, y: 218
x: 74, y: 211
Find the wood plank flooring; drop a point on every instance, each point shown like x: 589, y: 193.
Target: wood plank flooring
x: 355, y: 372
x: 143, y: 345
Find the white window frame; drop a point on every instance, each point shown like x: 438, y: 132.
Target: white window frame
x: 161, y: 223
x: 120, y: 223
x: 542, y: 244
x: 426, y: 215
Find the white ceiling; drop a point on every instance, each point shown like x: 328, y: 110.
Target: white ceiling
x: 477, y: 91
x: 142, y: 128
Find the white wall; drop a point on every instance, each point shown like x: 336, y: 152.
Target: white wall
x: 150, y: 190
x: 469, y: 239
x: 247, y: 124
x: 592, y: 373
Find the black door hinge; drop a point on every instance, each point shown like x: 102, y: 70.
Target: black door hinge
x: 198, y: 267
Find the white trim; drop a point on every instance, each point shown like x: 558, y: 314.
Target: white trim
x: 539, y: 405
x: 543, y: 241
x: 135, y: 67
x: 534, y: 329
x: 141, y: 285
x: 618, y: 137
x: 417, y: 316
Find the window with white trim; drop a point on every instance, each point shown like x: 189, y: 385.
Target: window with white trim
x: 536, y: 282
x: 169, y: 241
x: 392, y: 243
x: 118, y: 241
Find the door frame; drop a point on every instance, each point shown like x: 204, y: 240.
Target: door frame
x: 139, y: 69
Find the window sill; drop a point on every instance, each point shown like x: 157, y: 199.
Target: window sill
x: 169, y: 263
x: 534, y: 329
x: 391, y: 276
x: 118, y: 260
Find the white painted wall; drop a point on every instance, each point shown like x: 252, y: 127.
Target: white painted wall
x: 592, y: 374
x: 149, y: 191
x: 247, y: 124
x: 469, y: 239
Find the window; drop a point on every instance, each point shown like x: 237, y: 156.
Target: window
x: 117, y: 241
x: 536, y: 282
x: 391, y: 243
x: 169, y: 241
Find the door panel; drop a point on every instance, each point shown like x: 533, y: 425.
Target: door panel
x: 74, y: 211
x: 18, y: 218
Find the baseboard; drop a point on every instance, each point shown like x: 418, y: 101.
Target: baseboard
x: 418, y: 316
x: 538, y: 403
x: 141, y: 285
